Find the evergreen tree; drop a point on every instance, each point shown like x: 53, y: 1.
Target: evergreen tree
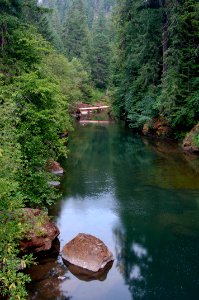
x: 156, y: 61
x: 75, y: 32
x: 46, y: 20
x: 178, y: 86
x: 100, y: 51
x: 77, y: 20
x: 54, y: 24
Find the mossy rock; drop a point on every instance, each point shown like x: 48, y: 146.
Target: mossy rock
x: 40, y: 231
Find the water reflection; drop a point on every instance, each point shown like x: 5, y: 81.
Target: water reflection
x: 86, y: 275
x: 142, y: 199
x: 47, y: 275
x: 139, y: 250
x: 157, y: 238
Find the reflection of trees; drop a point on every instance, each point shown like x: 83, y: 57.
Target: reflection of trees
x: 92, y: 157
x: 172, y: 168
x: 88, y: 165
x: 157, y: 239
x: 46, y: 274
x: 157, y: 263
x: 132, y: 266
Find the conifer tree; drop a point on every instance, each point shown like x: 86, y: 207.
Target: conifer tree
x: 75, y: 32
x: 54, y: 23
x: 157, y: 61
x: 100, y: 51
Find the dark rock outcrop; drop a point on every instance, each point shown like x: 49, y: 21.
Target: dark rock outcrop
x: 40, y: 231
x: 158, y: 127
x: 88, y: 252
x: 189, y: 143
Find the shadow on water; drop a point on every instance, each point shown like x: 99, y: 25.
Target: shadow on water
x: 141, y: 197
x: 46, y: 276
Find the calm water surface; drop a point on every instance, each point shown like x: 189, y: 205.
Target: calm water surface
x: 141, y: 198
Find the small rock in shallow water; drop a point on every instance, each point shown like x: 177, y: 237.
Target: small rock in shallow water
x: 88, y: 252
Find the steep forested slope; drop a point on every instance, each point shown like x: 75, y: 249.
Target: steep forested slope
x: 83, y: 31
x: 38, y: 87
x: 53, y: 55
x: 156, y: 63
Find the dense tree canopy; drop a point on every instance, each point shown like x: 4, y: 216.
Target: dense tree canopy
x: 83, y: 32
x: 38, y: 88
x: 100, y: 52
x: 156, y: 62
x: 75, y: 32
x: 54, y: 53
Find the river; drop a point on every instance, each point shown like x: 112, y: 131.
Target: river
x: 141, y: 197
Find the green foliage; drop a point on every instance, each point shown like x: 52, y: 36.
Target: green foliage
x: 12, y: 282
x: 75, y: 32
x: 98, y: 95
x: 38, y: 87
x: 156, y: 62
x: 11, y: 6
x: 10, y: 155
x: 40, y: 113
x: 72, y: 78
x: 84, y: 29
x: 137, y: 62
x: 177, y: 86
x: 100, y: 52
x: 40, y: 110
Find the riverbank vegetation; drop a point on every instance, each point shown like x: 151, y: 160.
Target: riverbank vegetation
x: 41, y: 77
x: 57, y: 53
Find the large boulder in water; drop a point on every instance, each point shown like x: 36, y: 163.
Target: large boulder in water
x: 88, y: 252
x: 40, y: 231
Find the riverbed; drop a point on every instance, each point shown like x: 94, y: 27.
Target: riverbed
x: 141, y: 197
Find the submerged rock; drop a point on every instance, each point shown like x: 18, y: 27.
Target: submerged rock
x: 189, y: 143
x: 88, y: 252
x: 40, y: 231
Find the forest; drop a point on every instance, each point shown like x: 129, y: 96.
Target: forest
x: 156, y: 64
x: 55, y: 53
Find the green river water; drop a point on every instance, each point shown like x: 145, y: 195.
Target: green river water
x: 141, y: 197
